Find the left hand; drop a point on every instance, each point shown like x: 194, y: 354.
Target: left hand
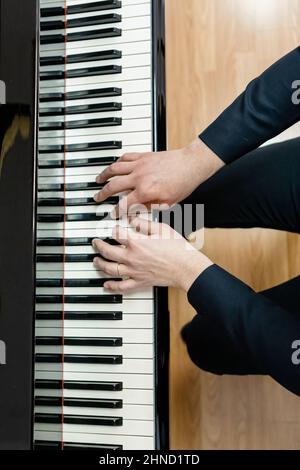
x: 151, y: 255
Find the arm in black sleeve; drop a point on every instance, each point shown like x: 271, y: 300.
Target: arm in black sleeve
x: 261, y: 330
x: 263, y: 111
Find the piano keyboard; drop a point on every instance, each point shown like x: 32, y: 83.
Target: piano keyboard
x: 95, y: 352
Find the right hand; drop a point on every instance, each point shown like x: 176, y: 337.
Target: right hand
x: 160, y: 178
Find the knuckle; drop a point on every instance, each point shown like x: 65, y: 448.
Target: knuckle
x: 113, y: 169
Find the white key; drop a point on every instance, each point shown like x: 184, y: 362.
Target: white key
x: 130, y: 381
x: 135, y: 35
x: 67, y: 249
x: 140, y: 412
x: 127, y: 49
x: 99, y: 209
x: 127, y: 100
x: 137, y: 60
x: 127, y: 306
x: 136, y: 336
x: 93, y: 171
x: 131, y: 112
x: 95, y: 153
x: 128, y: 442
x: 91, y: 233
x: 128, y: 125
x: 139, y: 366
x: 131, y: 427
x: 129, y: 396
x: 141, y: 294
x: 130, y: 138
x: 128, y: 351
x: 130, y: 321
x: 115, y: 79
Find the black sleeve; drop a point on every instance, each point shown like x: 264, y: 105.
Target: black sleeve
x: 262, y: 331
x: 265, y: 109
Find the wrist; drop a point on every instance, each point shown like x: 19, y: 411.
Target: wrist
x: 205, y: 162
x: 194, y: 265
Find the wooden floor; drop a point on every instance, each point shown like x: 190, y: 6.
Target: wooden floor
x: 214, y: 48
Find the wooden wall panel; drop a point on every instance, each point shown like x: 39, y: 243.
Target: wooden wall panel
x: 214, y: 48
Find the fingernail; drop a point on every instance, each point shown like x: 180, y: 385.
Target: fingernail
x: 95, y: 261
x: 94, y: 243
x: 98, y: 179
x: 97, y: 197
x: 106, y: 285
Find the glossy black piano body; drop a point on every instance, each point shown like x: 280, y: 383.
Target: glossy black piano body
x: 19, y: 69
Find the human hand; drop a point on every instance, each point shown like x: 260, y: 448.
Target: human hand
x: 151, y: 255
x: 160, y: 178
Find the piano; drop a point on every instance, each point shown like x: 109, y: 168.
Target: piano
x: 84, y: 368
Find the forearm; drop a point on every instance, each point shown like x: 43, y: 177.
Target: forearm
x: 262, y: 331
x: 265, y: 109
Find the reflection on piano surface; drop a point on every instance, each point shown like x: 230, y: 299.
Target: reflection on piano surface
x: 14, y: 118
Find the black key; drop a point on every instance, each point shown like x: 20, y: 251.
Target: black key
x: 55, y: 445
x: 83, y: 109
x: 71, y: 241
x: 79, y: 299
x: 48, y: 218
x: 78, y: 385
x: 82, y: 124
x: 68, y: 341
x: 47, y: 445
x: 73, y: 282
x: 96, y: 6
x: 81, y: 420
x: 82, y: 36
x: 78, y: 402
x: 84, y: 8
x: 94, y: 420
x: 78, y: 58
x: 81, y: 201
x: 78, y: 359
x: 110, y: 145
x: 80, y: 95
x: 66, y: 258
x: 80, y: 22
x: 81, y: 446
x: 86, y: 316
x: 77, y: 162
x: 84, y: 72
x: 48, y: 384
x: 69, y: 187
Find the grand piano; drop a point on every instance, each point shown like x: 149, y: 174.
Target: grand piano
x: 79, y: 368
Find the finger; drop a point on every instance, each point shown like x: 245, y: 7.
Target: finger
x: 144, y: 226
x: 110, y: 268
x: 113, y: 187
x: 126, y: 204
x: 121, y: 234
x: 130, y: 157
x: 116, y: 169
x: 121, y: 286
x: 110, y: 252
